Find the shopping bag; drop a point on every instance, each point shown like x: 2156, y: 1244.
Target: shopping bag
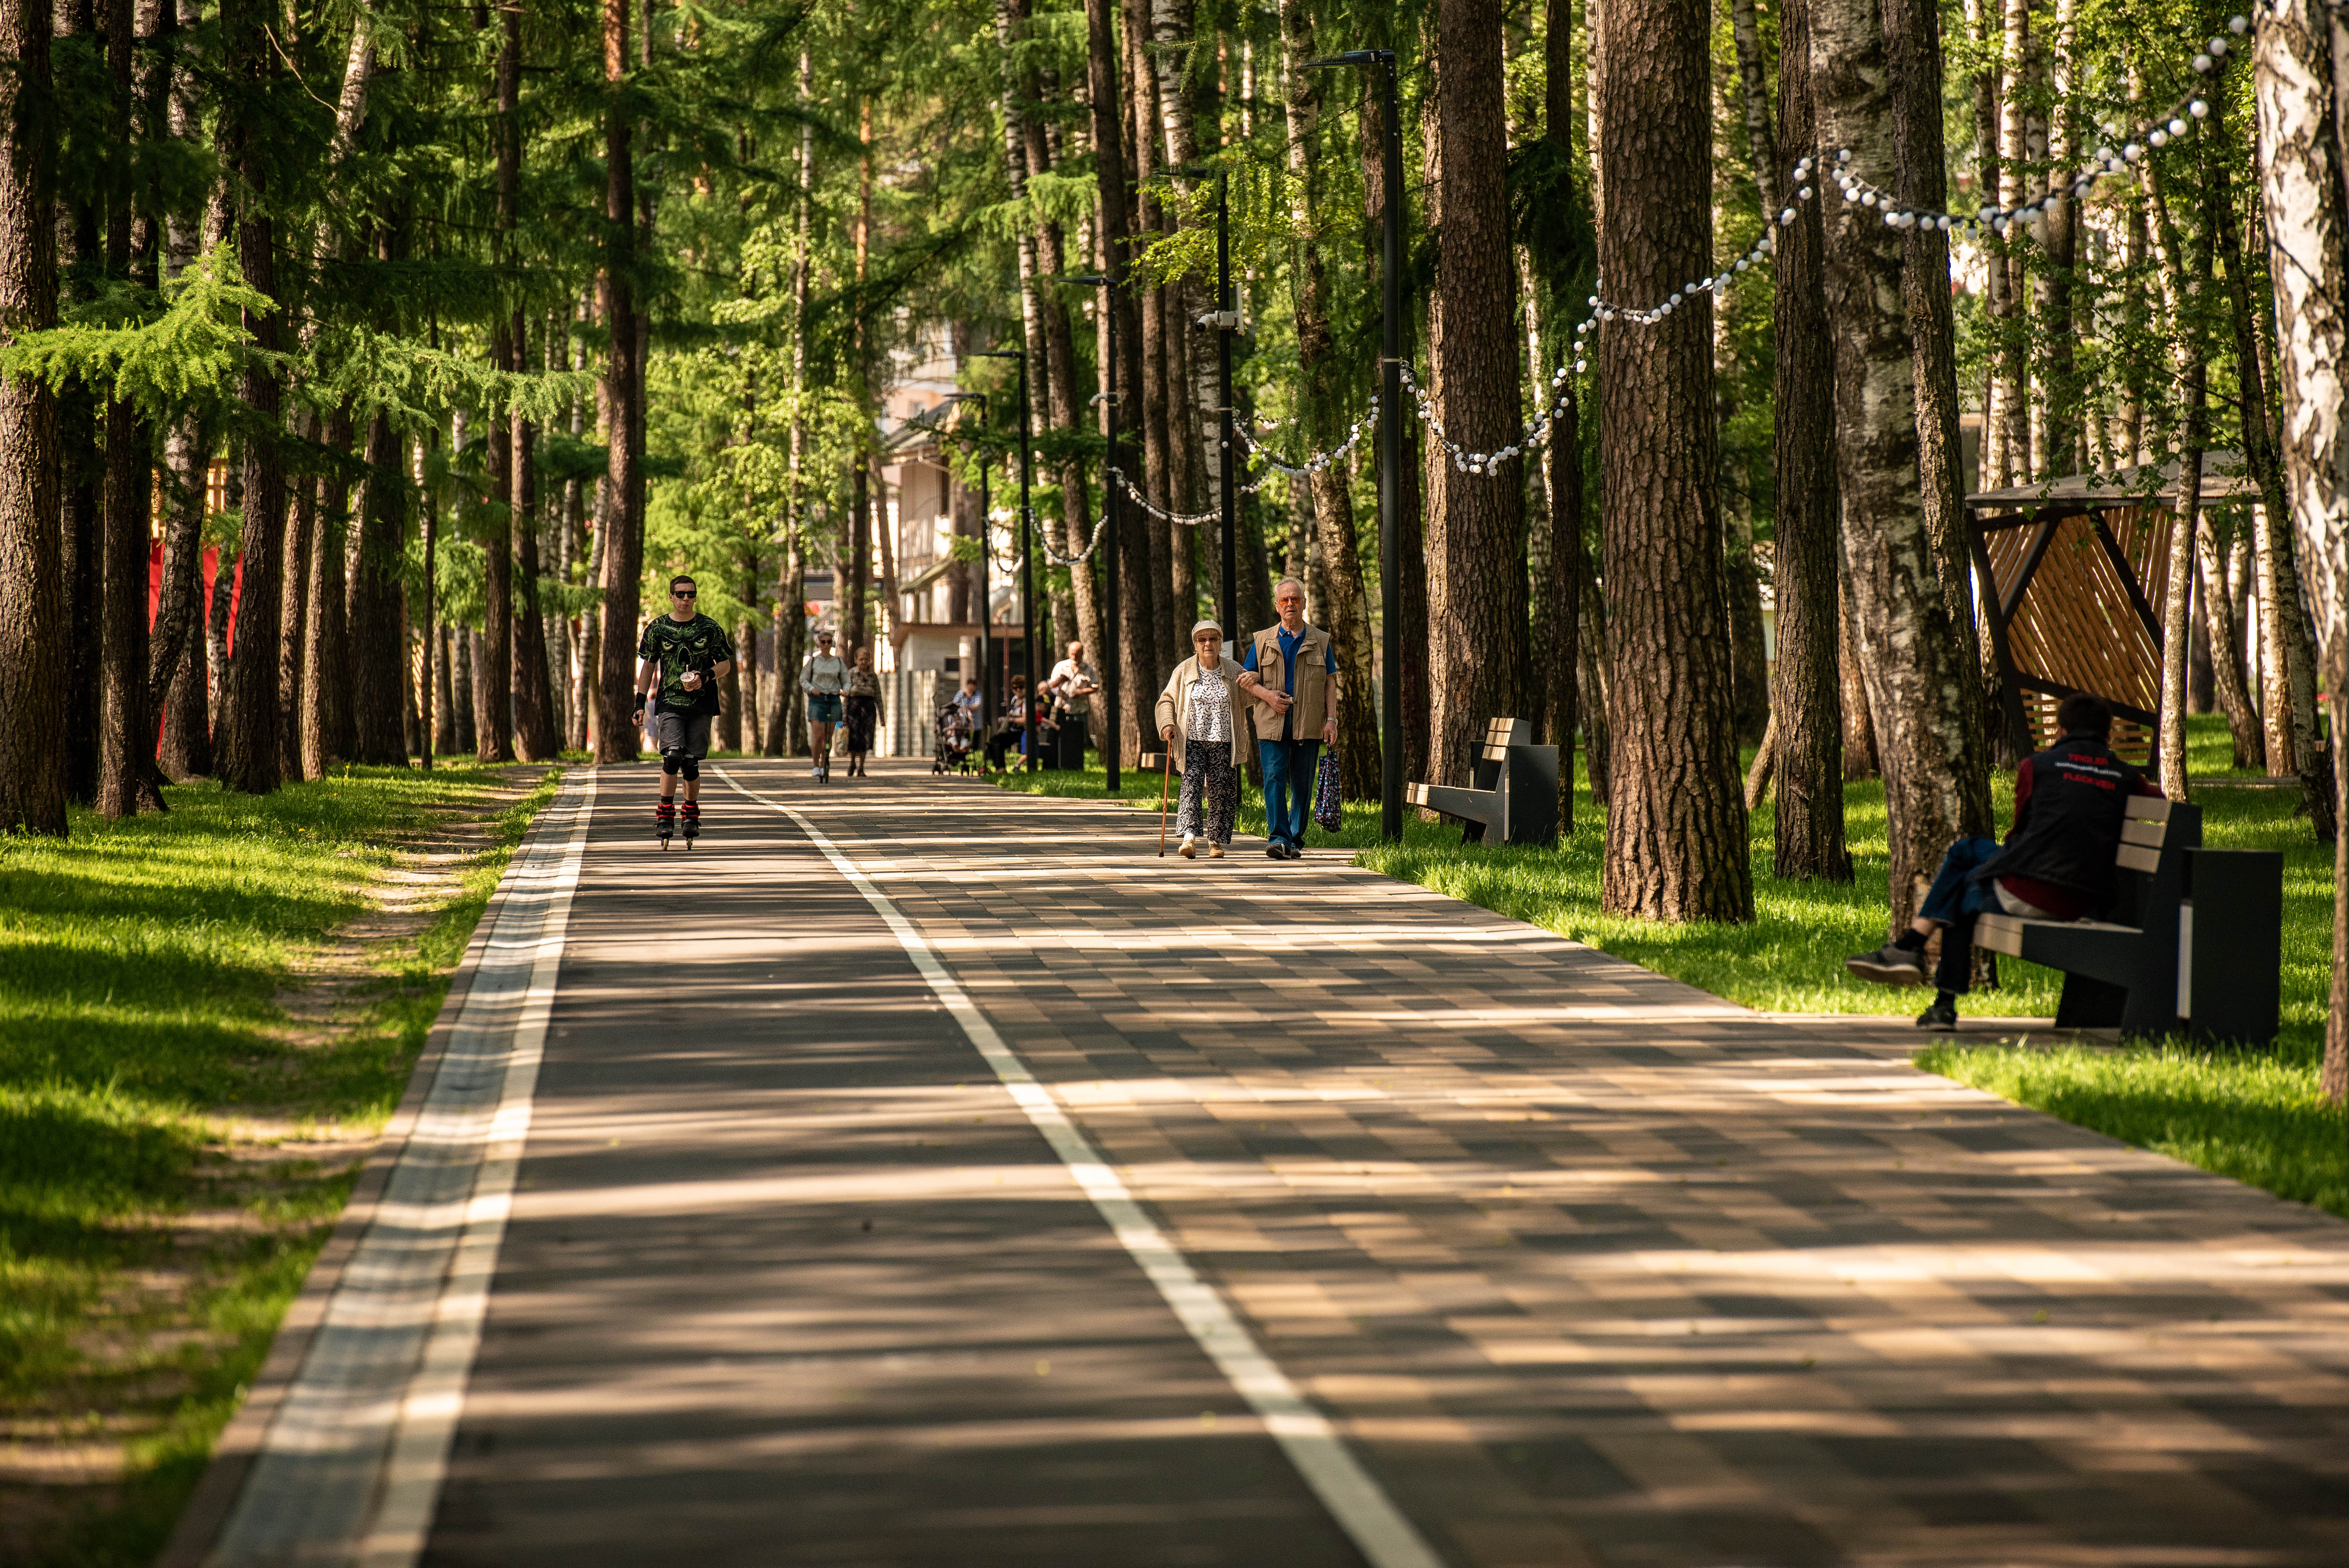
x: 1326, y: 809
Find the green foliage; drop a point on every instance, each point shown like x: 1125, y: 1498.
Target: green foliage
x: 183, y: 349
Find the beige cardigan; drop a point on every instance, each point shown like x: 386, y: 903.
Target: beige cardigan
x: 1174, y: 703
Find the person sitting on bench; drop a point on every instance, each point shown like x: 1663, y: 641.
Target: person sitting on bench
x: 2056, y: 865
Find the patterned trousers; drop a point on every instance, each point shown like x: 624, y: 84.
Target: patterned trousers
x: 1210, y: 787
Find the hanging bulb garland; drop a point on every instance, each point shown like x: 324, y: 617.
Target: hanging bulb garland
x: 2178, y: 122
x: 2174, y: 123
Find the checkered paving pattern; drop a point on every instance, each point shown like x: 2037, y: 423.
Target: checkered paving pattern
x: 1596, y: 1269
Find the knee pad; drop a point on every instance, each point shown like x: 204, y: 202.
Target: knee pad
x: 691, y: 768
x: 669, y: 764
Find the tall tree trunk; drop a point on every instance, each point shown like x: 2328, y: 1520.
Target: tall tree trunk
x: 1749, y: 671
x: 1676, y: 827
x: 2184, y: 279
x: 127, y: 732
x: 1342, y: 609
x: 375, y: 616
x: 787, y: 719
x: 1146, y: 412
x: 1138, y: 685
x: 179, y: 606
x: 1806, y: 706
x: 325, y: 643
x: 1928, y: 733
x: 624, y: 542
x: 2009, y: 402
x: 1913, y: 46
x: 80, y: 448
x: 1477, y: 583
x: 2226, y: 647
x: 1557, y: 590
x: 2303, y: 56
x: 245, y: 744
x: 293, y: 605
x: 32, y: 706
x: 533, y: 697
x: 1411, y: 486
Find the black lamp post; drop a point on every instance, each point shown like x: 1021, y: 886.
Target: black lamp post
x: 1027, y: 549
x: 986, y: 651
x: 1113, y: 724
x: 1389, y: 448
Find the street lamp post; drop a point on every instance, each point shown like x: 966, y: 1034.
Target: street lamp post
x: 986, y: 653
x: 1389, y: 448
x: 1027, y: 550
x: 1113, y: 732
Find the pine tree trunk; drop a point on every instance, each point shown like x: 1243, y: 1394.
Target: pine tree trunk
x: 2303, y: 53
x: 1913, y: 45
x: 1930, y: 740
x: 1410, y: 570
x: 1477, y: 582
x: 1676, y: 827
x: 126, y: 734
x: 180, y: 605
x: 624, y: 543
x: 533, y: 697
x: 294, y: 609
x: 375, y: 613
x: 32, y: 706
x: 1806, y: 706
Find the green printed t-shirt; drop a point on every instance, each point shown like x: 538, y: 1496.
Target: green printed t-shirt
x: 679, y: 646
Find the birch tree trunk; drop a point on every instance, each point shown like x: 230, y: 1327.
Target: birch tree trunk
x: 1676, y: 825
x: 2302, y: 76
x: 1806, y: 709
x: 1929, y: 736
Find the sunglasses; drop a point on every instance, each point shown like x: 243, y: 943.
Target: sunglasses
x: 688, y: 594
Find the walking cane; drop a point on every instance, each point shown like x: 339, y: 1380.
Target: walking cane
x: 1165, y: 772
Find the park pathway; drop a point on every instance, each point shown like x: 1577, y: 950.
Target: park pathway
x: 1542, y: 1260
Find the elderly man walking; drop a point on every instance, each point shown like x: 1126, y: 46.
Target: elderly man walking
x: 1291, y: 670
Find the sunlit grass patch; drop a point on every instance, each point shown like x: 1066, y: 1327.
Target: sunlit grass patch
x: 150, y: 1238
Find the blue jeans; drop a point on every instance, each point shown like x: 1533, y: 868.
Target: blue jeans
x: 1287, y: 788
x: 1953, y: 902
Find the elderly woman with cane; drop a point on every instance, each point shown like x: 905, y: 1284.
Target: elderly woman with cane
x: 1198, y: 717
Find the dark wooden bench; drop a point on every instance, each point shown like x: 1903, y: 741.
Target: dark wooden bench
x: 2193, y: 944
x: 1512, y: 798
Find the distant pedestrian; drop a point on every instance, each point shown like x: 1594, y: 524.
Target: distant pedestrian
x: 1009, y: 726
x: 1199, y: 719
x: 861, y: 710
x: 823, y: 678
x: 1291, y: 669
x: 1070, y: 687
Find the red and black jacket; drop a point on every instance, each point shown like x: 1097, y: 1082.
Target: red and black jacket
x: 2070, y: 801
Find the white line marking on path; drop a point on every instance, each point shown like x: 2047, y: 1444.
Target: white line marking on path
x: 1357, y: 1502
x: 351, y: 1468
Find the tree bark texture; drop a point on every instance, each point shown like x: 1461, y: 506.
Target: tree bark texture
x: 2183, y: 280
x: 1676, y: 825
x: 1913, y: 46
x: 1806, y: 706
x: 294, y: 609
x: 1476, y: 581
x: 1928, y: 734
x: 375, y: 616
x: 2302, y: 76
x: 32, y: 706
x: 624, y: 516
x: 179, y: 606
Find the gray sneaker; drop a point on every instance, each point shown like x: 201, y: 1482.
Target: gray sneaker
x: 1889, y: 965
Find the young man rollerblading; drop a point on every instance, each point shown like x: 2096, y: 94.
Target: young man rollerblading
x: 823, y: 678
x: 681, y: 658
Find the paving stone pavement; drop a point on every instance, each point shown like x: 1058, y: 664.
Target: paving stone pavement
x: 1588, y: 1266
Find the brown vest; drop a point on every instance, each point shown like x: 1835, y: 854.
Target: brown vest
x: 1312, y: 683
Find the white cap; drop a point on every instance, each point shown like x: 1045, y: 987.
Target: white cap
x: 1206, y: 626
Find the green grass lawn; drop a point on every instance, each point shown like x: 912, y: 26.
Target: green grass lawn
x: 160, y: 1120
x: 2252, y: 1115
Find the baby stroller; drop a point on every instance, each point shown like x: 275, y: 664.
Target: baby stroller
x: 954, y: 752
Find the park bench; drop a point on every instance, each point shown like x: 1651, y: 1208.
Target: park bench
x: 1513, y: 794
x: 2194, y: 943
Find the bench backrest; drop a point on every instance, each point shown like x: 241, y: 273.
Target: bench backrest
x: 2155, y: 834
x: 2146, y: 828
x: 1500, y: 735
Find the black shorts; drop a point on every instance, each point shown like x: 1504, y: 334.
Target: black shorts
x: 688, y: 732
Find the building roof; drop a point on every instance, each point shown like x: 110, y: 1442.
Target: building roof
x: 2225, y: 477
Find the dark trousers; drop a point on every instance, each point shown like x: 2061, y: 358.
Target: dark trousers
x: 1952, y: 902
x: 1287, y: 788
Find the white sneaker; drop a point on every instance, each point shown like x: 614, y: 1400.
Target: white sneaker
x: 1190, y: 848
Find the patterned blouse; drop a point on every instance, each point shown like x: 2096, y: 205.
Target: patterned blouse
x: 1211, y: 708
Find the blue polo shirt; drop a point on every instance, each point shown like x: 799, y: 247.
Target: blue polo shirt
x: 1288, y: 641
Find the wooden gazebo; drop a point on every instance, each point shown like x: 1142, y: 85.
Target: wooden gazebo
x: 2072, y: 573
